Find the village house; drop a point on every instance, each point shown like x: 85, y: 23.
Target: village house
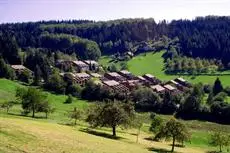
x: 128, y: 75
x: 64, y: 65
x: 158, y: 88
x: 142, y: 80
x: 130, y: 54
x: 115, y: 86
x: 95, y: 75
x: 20, y: 68
x: 131, y: 84
x: 177, y: 85
x: 81, y: 78
x: 93, y: 65
x: 152, y: 79
x: 114, y: 76
x: 80, y: 66
x: 171, y: 89
x: 183, y: 82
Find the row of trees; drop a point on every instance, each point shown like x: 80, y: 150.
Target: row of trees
x: 192, y: 66
x: 216, y: 108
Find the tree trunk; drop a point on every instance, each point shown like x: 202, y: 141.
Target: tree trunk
x: 46, y: 115
x: 173, y: 144
x: 138, y: 133
x: 33, y: 113
x: 114, y: 131
x: 75, y: 123
x: 220, y: 148
x: 33, y: 110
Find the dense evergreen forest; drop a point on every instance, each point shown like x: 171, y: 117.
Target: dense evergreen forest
x: 204, y: 37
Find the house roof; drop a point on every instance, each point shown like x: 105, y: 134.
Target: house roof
x: 130, y: 53
x: 81, y: 75
x: 181, y: 79
x: 169, y: 87
x: 114, y: 74
x: 125, y: 72
x: 79, y: 63
x: 158, y: 88
x: 141, y: 78
x: 149, y: 75
x: 91, y: 62
x: 18, y: 67
x: 111, y: 83
x: 174, y: 82
x: 96, y: 75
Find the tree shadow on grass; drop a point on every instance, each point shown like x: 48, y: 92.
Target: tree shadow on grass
x: 149, y: 138
x: 158, y: 150
x: 212, y: 152
x: 27, y: 116
x: 101, y: 134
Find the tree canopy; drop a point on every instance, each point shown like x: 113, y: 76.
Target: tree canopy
x: 111, y: 114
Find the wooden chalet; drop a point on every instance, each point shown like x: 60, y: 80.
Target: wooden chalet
x: 114, y: 76
x: 183, y: 82
x: 177, y: 85
x: 131, y: 84
x: 142, y: 80
x: 95, y: 75
x: 152, y: 79
x: 128, y: 75
x: 93, y: 65
x: 115, y: 86
x: 80, y: 66
x: 20, y: 68
x: 171, y: 89
x: 81, y: 78
x: 158, y: 88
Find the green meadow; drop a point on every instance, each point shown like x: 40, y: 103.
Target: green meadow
x: 25, y: 134
x: 153, y: 63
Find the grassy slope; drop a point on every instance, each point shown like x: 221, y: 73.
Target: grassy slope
x: 154, y: 64
x: 8, y: 90
x: 22, y: 135
x: 199, y: 129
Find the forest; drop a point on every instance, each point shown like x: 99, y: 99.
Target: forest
x: 204, y: 37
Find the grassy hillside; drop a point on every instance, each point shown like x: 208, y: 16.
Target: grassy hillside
x: 25, y: 134
x: 153, y: 63
x: 32, y: 135
x: 22, y: 135
x: 8, y: 90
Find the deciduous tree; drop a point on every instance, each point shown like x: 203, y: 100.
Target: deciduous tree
x: 111, y: 114
x: 220, y: 139
x: 174, y: 130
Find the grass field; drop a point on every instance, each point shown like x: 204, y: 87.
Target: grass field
x: 22, y: 135
x: 153, y: 63
x: 25, y: 134
x: 8, y: 90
